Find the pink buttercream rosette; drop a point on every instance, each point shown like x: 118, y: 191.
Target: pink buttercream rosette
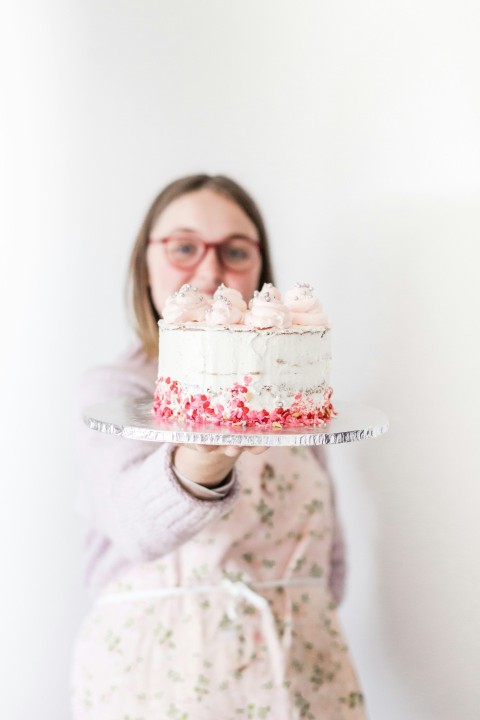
x: 305, y: 309
x: 228, y: 307
x: 186, y: 305
x: 266, y: 309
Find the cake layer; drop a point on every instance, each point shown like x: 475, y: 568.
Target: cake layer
x: 237, y: 373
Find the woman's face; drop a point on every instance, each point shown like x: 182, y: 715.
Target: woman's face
x: 212, y: 217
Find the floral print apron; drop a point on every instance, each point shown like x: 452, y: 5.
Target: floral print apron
x: 238, y: 623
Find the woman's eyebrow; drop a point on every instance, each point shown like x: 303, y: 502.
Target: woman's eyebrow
x: 184, y: 229
x: 230, y: 236
x: 240, y: 236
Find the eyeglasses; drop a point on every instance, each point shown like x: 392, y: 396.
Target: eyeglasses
x: 236, y: 252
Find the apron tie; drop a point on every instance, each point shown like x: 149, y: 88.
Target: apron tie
x: 237, y: 588
x: 241, y: 591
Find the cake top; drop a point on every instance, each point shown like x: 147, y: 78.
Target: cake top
x: 266, y: 309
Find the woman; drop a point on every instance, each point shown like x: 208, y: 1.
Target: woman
x: 180, y: 535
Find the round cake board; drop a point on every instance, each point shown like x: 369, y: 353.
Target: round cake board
x: 134, y: 419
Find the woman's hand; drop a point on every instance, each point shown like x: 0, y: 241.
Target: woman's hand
x: 209, y: 465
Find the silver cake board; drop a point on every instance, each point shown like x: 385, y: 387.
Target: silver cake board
x: 134, y: 419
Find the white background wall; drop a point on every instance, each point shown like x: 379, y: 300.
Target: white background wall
x: 356, y: 126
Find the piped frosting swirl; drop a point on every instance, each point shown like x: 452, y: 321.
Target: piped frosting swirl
x: 266, y: 309
x: 305, y: 309
x: 186, y: 305
x: 228, y: 307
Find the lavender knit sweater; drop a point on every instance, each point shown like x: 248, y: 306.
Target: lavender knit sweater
x: 133, y: 505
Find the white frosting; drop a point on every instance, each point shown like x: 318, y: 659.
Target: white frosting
x: 280, y: 362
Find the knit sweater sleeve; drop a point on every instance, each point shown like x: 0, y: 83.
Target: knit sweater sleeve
x: 128, y: 490
x: 337, y: 578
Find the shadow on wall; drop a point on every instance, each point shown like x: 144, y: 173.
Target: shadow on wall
x: 420, y: 477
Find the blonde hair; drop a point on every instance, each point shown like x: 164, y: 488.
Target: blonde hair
x: 140, y: 304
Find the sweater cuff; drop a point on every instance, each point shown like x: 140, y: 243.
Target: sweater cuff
x: 202, y: 492
x: 224, y: 493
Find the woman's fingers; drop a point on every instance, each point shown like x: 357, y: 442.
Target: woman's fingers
x: 205, y: 448
x: 232, y: 450
x: 256, y: 450
x: 229, y: 450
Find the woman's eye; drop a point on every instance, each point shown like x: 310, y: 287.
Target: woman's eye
x: 185, y: 249
x: 236, y: 253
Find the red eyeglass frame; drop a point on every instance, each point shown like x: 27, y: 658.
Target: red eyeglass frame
x: 207, y: 246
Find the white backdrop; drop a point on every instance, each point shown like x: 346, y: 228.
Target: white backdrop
x: 355, y: 125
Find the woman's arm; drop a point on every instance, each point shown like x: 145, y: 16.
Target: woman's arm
x: 129, y: 487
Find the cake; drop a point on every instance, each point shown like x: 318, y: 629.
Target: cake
x: 265, y: 364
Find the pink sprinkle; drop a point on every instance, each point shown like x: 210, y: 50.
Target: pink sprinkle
x: 170, y: 402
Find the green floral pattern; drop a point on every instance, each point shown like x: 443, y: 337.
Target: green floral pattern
x: 229, y: 653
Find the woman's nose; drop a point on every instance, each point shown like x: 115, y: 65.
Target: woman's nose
x: 209, y: 272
